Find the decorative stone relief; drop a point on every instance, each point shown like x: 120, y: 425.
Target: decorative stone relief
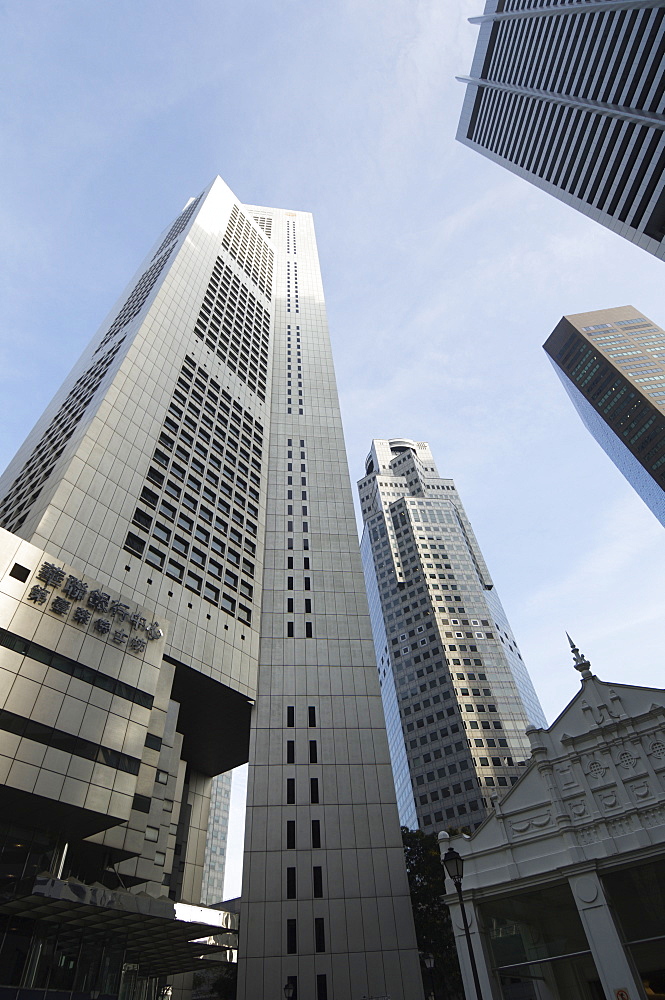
x: 641, y: 790
x: 603, y: 713
x: 653, y: 817
x: 578, y: 808
x: 586, y: 889
x: 622, y: 825
x: 596, y: 769
x: 589, y: 836
x: 537, y: 822
x: 657, y: 749
x: 625, y: 758
x: 566, y: 775
x: 609, y: 800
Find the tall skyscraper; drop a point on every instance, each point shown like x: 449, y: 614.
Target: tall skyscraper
x: 192, y: 470
x: 571, y: 96
x: 612, y: 365
x: 456, y: 692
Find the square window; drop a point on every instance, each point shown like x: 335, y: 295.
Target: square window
x: 174, y: 570
x: 162, y: 532
x: 155, y: 558
x: 134, y: 544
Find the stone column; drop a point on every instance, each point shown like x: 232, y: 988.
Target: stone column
x: 618, y: 975
x: 488, y: 983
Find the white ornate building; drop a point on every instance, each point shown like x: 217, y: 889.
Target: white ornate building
x: 564, y: 884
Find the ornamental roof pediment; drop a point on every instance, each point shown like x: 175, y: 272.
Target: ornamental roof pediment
x: 601, y: 762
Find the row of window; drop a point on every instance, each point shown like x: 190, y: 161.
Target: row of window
x: 136, y: 300
x: 316, y: 883
x: 27, y: 486
x: 249, y: 250
x: 178, y: 226
x: 292, y: 936
x: 188, y: 539
x: 314, y: 791
x: 234, y: 325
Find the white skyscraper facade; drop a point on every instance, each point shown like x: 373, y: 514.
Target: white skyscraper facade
x: 193, y: 467
x: 456, y: 693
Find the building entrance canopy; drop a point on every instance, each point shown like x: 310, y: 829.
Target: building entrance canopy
x: 163, y: 938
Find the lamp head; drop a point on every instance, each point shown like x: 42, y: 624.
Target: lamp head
x: 454, y: 865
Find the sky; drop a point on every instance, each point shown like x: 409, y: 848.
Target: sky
x: 444, y: 274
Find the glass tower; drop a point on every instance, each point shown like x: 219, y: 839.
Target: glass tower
x: 612, y: 365
x: 456, y: 692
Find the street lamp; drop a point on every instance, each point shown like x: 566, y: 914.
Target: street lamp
x: 428, y: 961
x: 454, y: 865
x: 289, y: 990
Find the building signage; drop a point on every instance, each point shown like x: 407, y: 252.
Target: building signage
x: 108, y: 617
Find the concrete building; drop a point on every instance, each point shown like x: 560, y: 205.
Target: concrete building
x: 180, y: 551
x: 570, y: 96
x: 612, y: 365
x: 563, y: 884
x: 456, y: 693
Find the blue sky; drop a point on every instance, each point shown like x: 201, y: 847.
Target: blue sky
x: 444, y: 274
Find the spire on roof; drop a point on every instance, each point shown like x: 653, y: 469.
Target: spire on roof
x: 581, y: 662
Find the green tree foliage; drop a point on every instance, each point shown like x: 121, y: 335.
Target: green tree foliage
x: 434, y: 931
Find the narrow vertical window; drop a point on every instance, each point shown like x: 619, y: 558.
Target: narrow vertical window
x: 316, y: 833
x: 289, y: 605
x: 290, y: 883
x: 289, y: 630
x: 290, y: 834
x: 311, y: 716
x: 290, y: 751
x: 321, y: 987
x: 289, y: 583
x: 291, y: 791
x: 308, y: 630
x: 319, y: 934
x: 291, y: 937
x: 313, y: 752
x: 290, y: 716
x: 308, y: 583
x: 317, y: 882
x: 308, y: 605
x: 314, y: 790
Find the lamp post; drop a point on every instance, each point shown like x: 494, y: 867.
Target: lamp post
x: 289, y: 990
x: 454, y: 865
x: 429, y: 965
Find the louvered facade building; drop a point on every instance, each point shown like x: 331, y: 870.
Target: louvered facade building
x: 570, y: 95
x: 612, y: 365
